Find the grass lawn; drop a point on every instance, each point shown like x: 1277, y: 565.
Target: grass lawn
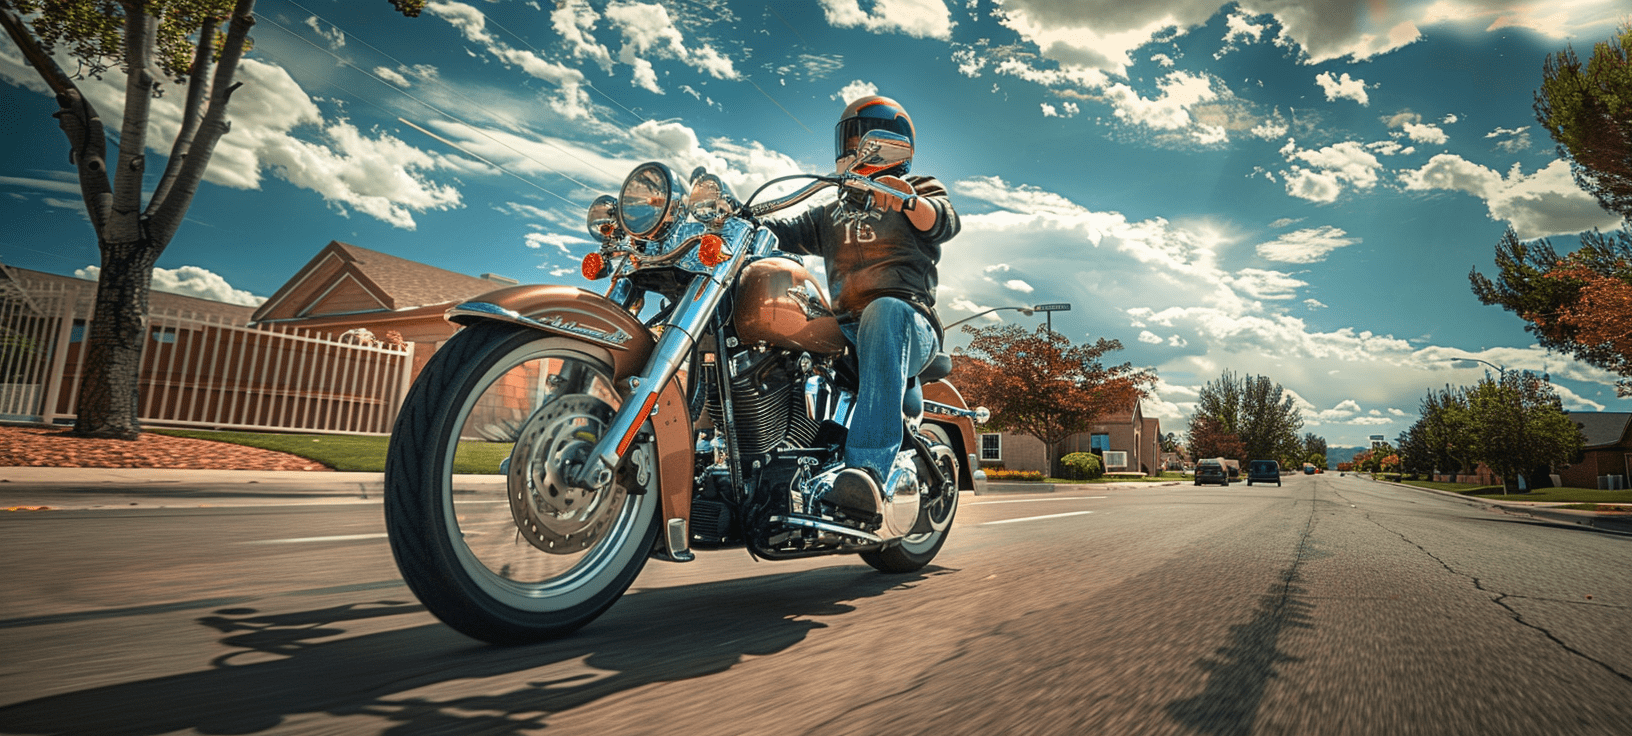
x: 1164, y: 477
x: 349, y: 452
x: 1545, y: 495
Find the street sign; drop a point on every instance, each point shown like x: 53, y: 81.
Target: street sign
x: 1061, y: 307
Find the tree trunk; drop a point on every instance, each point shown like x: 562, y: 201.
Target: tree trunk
x: 108, y: 394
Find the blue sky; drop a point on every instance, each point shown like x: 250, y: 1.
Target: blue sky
x: 1291, y: 188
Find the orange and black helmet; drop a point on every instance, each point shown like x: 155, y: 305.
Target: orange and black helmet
x: 871, y: 113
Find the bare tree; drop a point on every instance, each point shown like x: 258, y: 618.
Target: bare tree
x: 150, y: 40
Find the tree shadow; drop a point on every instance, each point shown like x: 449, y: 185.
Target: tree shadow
x: 1239, y: 674
x: 431, y: 679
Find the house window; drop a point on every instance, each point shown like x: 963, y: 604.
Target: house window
x: 991, y: 448
x: 1116, y: 459
x: 77, y: 334
x: 164, y: 334
x: 1099, y: 442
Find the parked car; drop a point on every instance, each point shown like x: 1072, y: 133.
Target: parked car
x: 1264, y: 471
x: 1211, y: 471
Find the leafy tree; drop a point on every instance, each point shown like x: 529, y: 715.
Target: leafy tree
x: 1209, y: 438
x: 1442, y: 438
x: 1313, y: 445
x: 1170, y: 442
x: 183, y: 41
x: 1317, y: 459
x: 1579, y: 304
x: 1587, y: 109
x: 1519, y: 425
x: 1256, y: 411
x: 1040, y: 385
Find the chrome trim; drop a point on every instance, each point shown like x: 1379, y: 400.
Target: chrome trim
x: 936, y: 407
x: 827, y: 526
x: 483, y: 310
x: 678, y: 540
x: 765, y: 208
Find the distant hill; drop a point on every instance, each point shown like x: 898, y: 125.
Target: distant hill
x: 1335, y: 455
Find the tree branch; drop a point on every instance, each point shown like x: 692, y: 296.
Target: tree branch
x: 191, y: 113
x: 164, y: 222
x: 87, y: 142
x: 124, y: 225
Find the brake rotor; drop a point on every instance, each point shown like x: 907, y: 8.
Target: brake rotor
x: 550, y: 513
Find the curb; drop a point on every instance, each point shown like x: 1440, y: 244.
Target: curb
x: 1592, y: 520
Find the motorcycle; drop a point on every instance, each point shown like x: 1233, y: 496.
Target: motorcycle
x: 716, y: 422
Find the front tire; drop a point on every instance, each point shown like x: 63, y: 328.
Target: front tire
x: 536, y: 559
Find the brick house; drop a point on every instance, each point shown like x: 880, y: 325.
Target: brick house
x: 1128, y: 441
x: 1607, y: 451
x: 345, y: 288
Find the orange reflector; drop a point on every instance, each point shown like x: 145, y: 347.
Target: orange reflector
x: 711, y: 250
x: 607, y: 229
x: 594, y: 266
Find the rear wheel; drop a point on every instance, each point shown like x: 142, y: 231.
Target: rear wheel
x: 912, y: 552
x: 520, y: 555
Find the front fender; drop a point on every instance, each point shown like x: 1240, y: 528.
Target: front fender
x: 620, y: 339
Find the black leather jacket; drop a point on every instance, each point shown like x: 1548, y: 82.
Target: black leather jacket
x: 879, y: 255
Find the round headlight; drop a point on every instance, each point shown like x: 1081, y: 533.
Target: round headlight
x: 649, y: 199
x: 710, y: 200
x: 603, y: 216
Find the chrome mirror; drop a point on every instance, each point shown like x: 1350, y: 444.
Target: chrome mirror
x: 880, y: 150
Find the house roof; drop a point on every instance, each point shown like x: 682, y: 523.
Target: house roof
x: 380, y: 281
x: 39, y: 283
x: 1602, y: 428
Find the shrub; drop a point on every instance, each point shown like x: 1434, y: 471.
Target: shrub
x: 1013, y: 475
x: 1082, y: 466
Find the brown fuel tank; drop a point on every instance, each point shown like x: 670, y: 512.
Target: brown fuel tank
x: 778, y: 303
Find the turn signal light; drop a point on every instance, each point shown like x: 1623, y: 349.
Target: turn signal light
x: 594, y: 266
x: 711, y: 250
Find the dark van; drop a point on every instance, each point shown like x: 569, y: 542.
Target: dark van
x: 1264, y: 471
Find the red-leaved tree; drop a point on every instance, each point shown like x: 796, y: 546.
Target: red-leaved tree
x: 1041, y: 385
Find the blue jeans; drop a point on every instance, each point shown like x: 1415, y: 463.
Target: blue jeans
x: 893, y: 343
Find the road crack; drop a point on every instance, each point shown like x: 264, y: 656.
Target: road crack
x: 1500, y: 599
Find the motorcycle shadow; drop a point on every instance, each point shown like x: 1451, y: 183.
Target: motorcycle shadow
x: 430, y: 678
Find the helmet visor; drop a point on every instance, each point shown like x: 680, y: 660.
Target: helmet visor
x: 847, y: 134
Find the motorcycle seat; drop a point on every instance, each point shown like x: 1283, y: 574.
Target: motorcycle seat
x: 939, y: 367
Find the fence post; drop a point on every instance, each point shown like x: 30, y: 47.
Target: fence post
x: 59, y: 354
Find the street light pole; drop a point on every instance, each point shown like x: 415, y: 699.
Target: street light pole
x: 1023, y: 310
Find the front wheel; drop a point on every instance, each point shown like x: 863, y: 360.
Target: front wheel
x: 912, y: 552
x: 520, y: 555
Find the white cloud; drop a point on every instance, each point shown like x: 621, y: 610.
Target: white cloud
x: 1537, y: 205
x: 1516, y: 140
x: 1239, y: 28
x: 1018, y: 285
x: 1168, y: 111
x: 917, y: 18
x: 567, y: 244
x: 1314, y: 304
x: 332, y: 34
x: 1425, y: 133
x: 1344, y: 88
x: 1261, y: 284
x: 571, y: 100
x: 1328, y: 170
x: 189, y: 281
x: 1309, y: 245
x: 855, y: 90
x: 1146, y: 336
x: 574, y: 20
x: 391, y: 75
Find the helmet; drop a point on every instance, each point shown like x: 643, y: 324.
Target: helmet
x: 871, y: 113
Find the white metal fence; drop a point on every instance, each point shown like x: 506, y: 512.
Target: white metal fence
x: 201, y: 371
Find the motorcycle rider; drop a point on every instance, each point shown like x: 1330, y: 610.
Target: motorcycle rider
x: 880, y: 263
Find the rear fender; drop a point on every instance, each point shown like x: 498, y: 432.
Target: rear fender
x: 601, y: 328
x: 960, y: 430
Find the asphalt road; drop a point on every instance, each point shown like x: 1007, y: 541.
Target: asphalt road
x: 1329, y: 605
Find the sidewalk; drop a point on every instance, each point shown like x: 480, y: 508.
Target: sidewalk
x: 107, y: 488
x: 1545, y: 511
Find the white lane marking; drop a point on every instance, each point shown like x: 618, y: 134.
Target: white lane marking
x: 1034, y: 500
x: 336, y: 538
x: 1035, y: 518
